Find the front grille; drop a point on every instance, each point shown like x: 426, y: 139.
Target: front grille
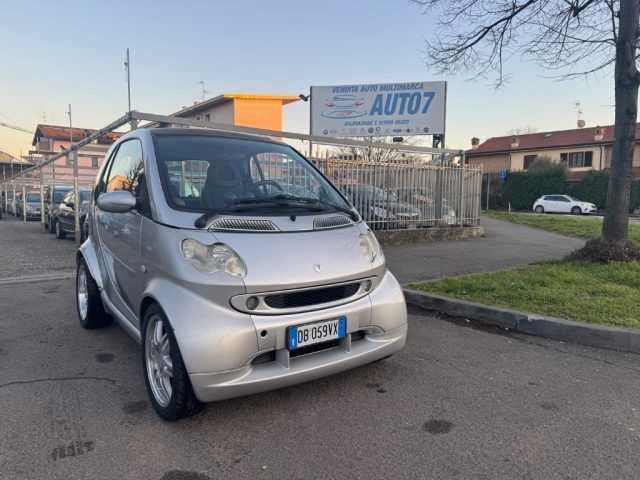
x: 331, y: 222
x: 305, y: 298
x: 318, y: 347
x: 242, y: 224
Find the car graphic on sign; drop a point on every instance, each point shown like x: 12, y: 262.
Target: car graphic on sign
x: 343, y: 106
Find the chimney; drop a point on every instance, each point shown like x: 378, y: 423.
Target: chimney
x: 475, y: 143
x: 515, y: 142
x: 598, y: 134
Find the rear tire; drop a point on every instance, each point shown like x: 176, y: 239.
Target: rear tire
x: 539, y: 209
x: 576, y: 211
x: 91, y: 312
x: 165, y: 374
x: 60, y: 233
x: 50, y: 225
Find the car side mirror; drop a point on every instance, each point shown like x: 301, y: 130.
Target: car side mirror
x: 118, y: 201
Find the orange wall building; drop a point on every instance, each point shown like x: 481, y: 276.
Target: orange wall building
x: 257, y: 111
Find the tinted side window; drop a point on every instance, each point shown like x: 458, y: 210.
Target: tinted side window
x: 563, y: 199
x: 127, y: 169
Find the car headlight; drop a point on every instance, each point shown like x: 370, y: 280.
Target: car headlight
x: 213, y: 258
x: 29, y: 208
x: 370, y: 247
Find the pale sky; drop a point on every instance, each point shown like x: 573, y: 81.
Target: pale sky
x: 56, y: 53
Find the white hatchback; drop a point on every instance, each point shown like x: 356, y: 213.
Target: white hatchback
x: 562, y: 204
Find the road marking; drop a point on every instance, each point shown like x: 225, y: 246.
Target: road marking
x: 37, y: 278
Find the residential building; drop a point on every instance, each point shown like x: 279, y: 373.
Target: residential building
x: 581, y: 150
x: 51, y: 139
x: 247, y: 110
x: 10, y: 165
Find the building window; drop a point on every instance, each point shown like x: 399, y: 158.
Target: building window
x: 207, y: 117
x: 528, y: 160
x: 94, y: 161
x: 577, y: 159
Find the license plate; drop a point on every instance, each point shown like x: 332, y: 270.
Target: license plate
x: 319, y: 332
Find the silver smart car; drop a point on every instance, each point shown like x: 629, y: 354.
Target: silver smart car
x: 232, y: 284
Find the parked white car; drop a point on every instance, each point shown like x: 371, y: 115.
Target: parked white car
x: 562, y: 204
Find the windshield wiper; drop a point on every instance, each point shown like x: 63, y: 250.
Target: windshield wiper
x: 351, y: 213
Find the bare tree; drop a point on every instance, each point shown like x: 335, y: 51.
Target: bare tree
x: 379, y: 155
x: 526, y: 130
x: 572, y: 38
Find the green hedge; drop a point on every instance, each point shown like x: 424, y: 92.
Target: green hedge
x: 522, y: 189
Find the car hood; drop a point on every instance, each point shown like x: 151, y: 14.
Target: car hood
x: 295, y: 259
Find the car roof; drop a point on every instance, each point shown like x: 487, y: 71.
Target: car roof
x: 209, y: 132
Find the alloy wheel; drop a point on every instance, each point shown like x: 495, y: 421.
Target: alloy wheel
x: 158, y: 360
x: 82, y: 292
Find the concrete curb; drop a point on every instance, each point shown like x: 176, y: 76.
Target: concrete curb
x: 615, y: 338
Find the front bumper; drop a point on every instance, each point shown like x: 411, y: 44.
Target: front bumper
x: 286, y: 371
x: 380, y: 320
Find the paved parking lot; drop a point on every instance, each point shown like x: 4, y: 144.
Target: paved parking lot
x: 458, y: 402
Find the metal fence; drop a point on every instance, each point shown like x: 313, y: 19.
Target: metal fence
x: 408, y: 194
x: 393, y: 186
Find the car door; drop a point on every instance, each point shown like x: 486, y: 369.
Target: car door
x: 550, y: 203
x: 564, y: 204
x: 119, y: 233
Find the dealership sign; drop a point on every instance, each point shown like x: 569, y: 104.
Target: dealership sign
x: 416, y: 108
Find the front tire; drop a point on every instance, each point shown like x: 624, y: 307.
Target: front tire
x: 91, y: 312
x: 165, y: 374
x: 539, y: 209
x: 60, y: 233
x: 576, y: 211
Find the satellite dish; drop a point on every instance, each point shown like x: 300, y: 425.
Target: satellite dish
x: 581, y: 123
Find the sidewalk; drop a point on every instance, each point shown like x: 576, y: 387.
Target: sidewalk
x: 505, y: 245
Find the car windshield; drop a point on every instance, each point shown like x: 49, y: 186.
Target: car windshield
x: 202, y: 173
x: 58, y: 195
x: 33, y: 197
x: 85, y: 195
x: 572, y: 198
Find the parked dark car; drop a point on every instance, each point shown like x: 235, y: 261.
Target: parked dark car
x: 65, y: 218
x: 8, y: 205
x: 53, y: 196
x: 376, y: 205
x: 18, y: 204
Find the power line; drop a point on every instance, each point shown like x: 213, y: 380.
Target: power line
x: 15, y: 127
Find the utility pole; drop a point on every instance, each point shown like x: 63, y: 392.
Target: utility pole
x: 73, y: 157
x: 133, y: 124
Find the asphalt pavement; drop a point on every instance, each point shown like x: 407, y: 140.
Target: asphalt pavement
x: 457, y: 402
